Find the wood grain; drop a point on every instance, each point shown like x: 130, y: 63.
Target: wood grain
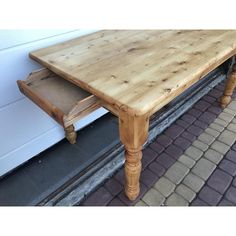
x: 139, y: 71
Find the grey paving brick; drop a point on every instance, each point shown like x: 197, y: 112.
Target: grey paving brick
x: 226, y: 117
x: 231, y: 195
x: 220, y: 147
x: 216, y: 127
x: 198, y: 202
x: 220, y: 122
x: 203, y: 168
x: 213, y: 156
x: 176, y: 200
x: 153, y: 198
x: 194, y: 153
x: 229, y: 111
x: 225, y: 202
x: 232, y: 127
x: 200, y: 145
x: 141, y: 203
x: 165, y: 186
x: 206, y: 138
x: 187, y: 193
x: 187, y: 161
x: 210, y: 196
x: 194, y: 182
x: 227, y: 137
x: 212, y: 132
x: 219, y: 181
x: 232, y: 105
x: 177, y: 172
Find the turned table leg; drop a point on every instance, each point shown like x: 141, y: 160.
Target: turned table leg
x: 71, y: 134
x: 133, y: 134
x: 229, y: 88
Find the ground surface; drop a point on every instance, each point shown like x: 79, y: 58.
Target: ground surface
x: 193, y: 162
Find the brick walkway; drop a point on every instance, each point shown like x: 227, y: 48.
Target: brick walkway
x: 193, y: 162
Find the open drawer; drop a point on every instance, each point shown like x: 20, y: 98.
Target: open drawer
x: 63, y: 101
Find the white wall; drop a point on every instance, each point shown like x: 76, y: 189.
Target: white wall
x: 25, y: 130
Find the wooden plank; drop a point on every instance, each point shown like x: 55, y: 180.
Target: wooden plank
x: 139, y: 71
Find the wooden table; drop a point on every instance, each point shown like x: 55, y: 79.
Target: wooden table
x: 135, y: 73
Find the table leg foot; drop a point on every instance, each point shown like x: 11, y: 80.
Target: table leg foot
x: 229, y: 88
x: 133, y: 134
x: 70, y: 134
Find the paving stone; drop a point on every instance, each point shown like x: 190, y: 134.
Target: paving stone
x: 207, y: 117
x: 209, y: 99
x: 206, y: 138
x: 174, y: 151
x: 213, y: 156
x: 232, y: 105
x: 194, y: 153
x: 113, y: 186
x: 225, y: 202
x: 174, y: 131
x: 182, y: 143
x: 210, y: 196
x: 215, y: 93
x: 182, y: 123
x: 188, y: 136
x: 227, y: 137
x: 234, y: 147
x: 198, y: 202
x: 187, y: 193
x: 148, y: 178
x: 228, y: 166
x: 219, y: 181
x: 200, y: 124
x: 194, y: 112
x: 232, y: 127
x: 165, y: 186
x: 226, y: 117
x: 157, y: 169
x: 234, y: 120
x: 220, y: 122
x: 220, y: 147
x: 177, y: 172
x: 158, y: 148
x: 216, y: 127
x: 231, y: 155
x: 148, y: 156
x: 141, y: 203
x: 187, y: 161
x: 203, y: 168
x: 194, y: 182
x: 229, y: 111
x: 176, y: 200
x: 215, y: 109
x: 116, y: 202
x: 120, y: 176
x: 188, y: 118
x: 194, y: 130
x: 231, y: 195
x: 234, y: 182
x: 153, y: 198
x: 165, y: 160
x: 164, y: 140
x: 202, y: 105
x: 212, y: 132
x: 100, y: 197
x: 127, y: 202
x: 200, y: 145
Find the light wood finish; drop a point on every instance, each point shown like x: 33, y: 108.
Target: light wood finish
x: 133, y: 134
x: 229, y: 88
x: 135, y: 73
x: 71, y: 134
x: 63, y: 101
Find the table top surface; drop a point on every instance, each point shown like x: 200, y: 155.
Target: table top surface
x: 138, y: 71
